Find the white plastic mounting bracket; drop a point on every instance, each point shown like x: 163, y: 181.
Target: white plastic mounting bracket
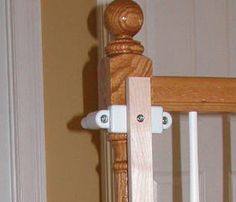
x: 115, y: 119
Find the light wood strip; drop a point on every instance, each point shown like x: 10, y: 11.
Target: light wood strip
x: 140, y: 168
x: 202, y: 94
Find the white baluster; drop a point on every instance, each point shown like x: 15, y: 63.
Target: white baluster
x: 194, y: 166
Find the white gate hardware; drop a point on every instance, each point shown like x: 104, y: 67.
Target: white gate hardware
x: 115, y: 119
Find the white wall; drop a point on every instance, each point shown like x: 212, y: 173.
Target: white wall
x: 5, y: 160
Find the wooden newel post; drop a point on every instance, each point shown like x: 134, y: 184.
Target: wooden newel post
x: 120, y: 166
x: 124, y: 18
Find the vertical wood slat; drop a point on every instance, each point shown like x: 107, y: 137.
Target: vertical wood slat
x: 140, y: 163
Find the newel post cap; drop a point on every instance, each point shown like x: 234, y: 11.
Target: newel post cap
x: 124, y: 19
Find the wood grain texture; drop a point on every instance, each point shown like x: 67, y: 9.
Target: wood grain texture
x: 120, y: 166
x: 123, y: 20
x: 183, y: 94
x: 124, y: 59
x: 124, y: 66
x: 140, y: 163
x: 112, y: 73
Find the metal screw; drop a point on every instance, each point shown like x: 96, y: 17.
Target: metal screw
x: 104, y: 118
x: 140, y: 118
x: 165, y: 120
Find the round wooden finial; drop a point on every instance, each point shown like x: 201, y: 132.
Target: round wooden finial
x: 124, y: 18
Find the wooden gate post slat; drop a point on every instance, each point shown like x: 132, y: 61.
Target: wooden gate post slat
x: 140, y: 163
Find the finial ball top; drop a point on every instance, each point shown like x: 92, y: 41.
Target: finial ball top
x: 124, y: 18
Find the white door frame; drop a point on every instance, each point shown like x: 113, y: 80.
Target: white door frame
x: 22, y: 140
x: 107, y: 178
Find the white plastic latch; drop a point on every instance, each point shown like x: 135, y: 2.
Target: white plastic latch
x: 115, y: 119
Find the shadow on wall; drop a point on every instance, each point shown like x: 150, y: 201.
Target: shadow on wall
x: 227, y: 164
x: 90, y: 89
x: 176, y: 159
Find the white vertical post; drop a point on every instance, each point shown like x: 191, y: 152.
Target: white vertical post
x: 140, y: 164
x: 194, y: 166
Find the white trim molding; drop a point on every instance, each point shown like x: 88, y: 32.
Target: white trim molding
x: 22, y: 139
x: 106, y: 156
